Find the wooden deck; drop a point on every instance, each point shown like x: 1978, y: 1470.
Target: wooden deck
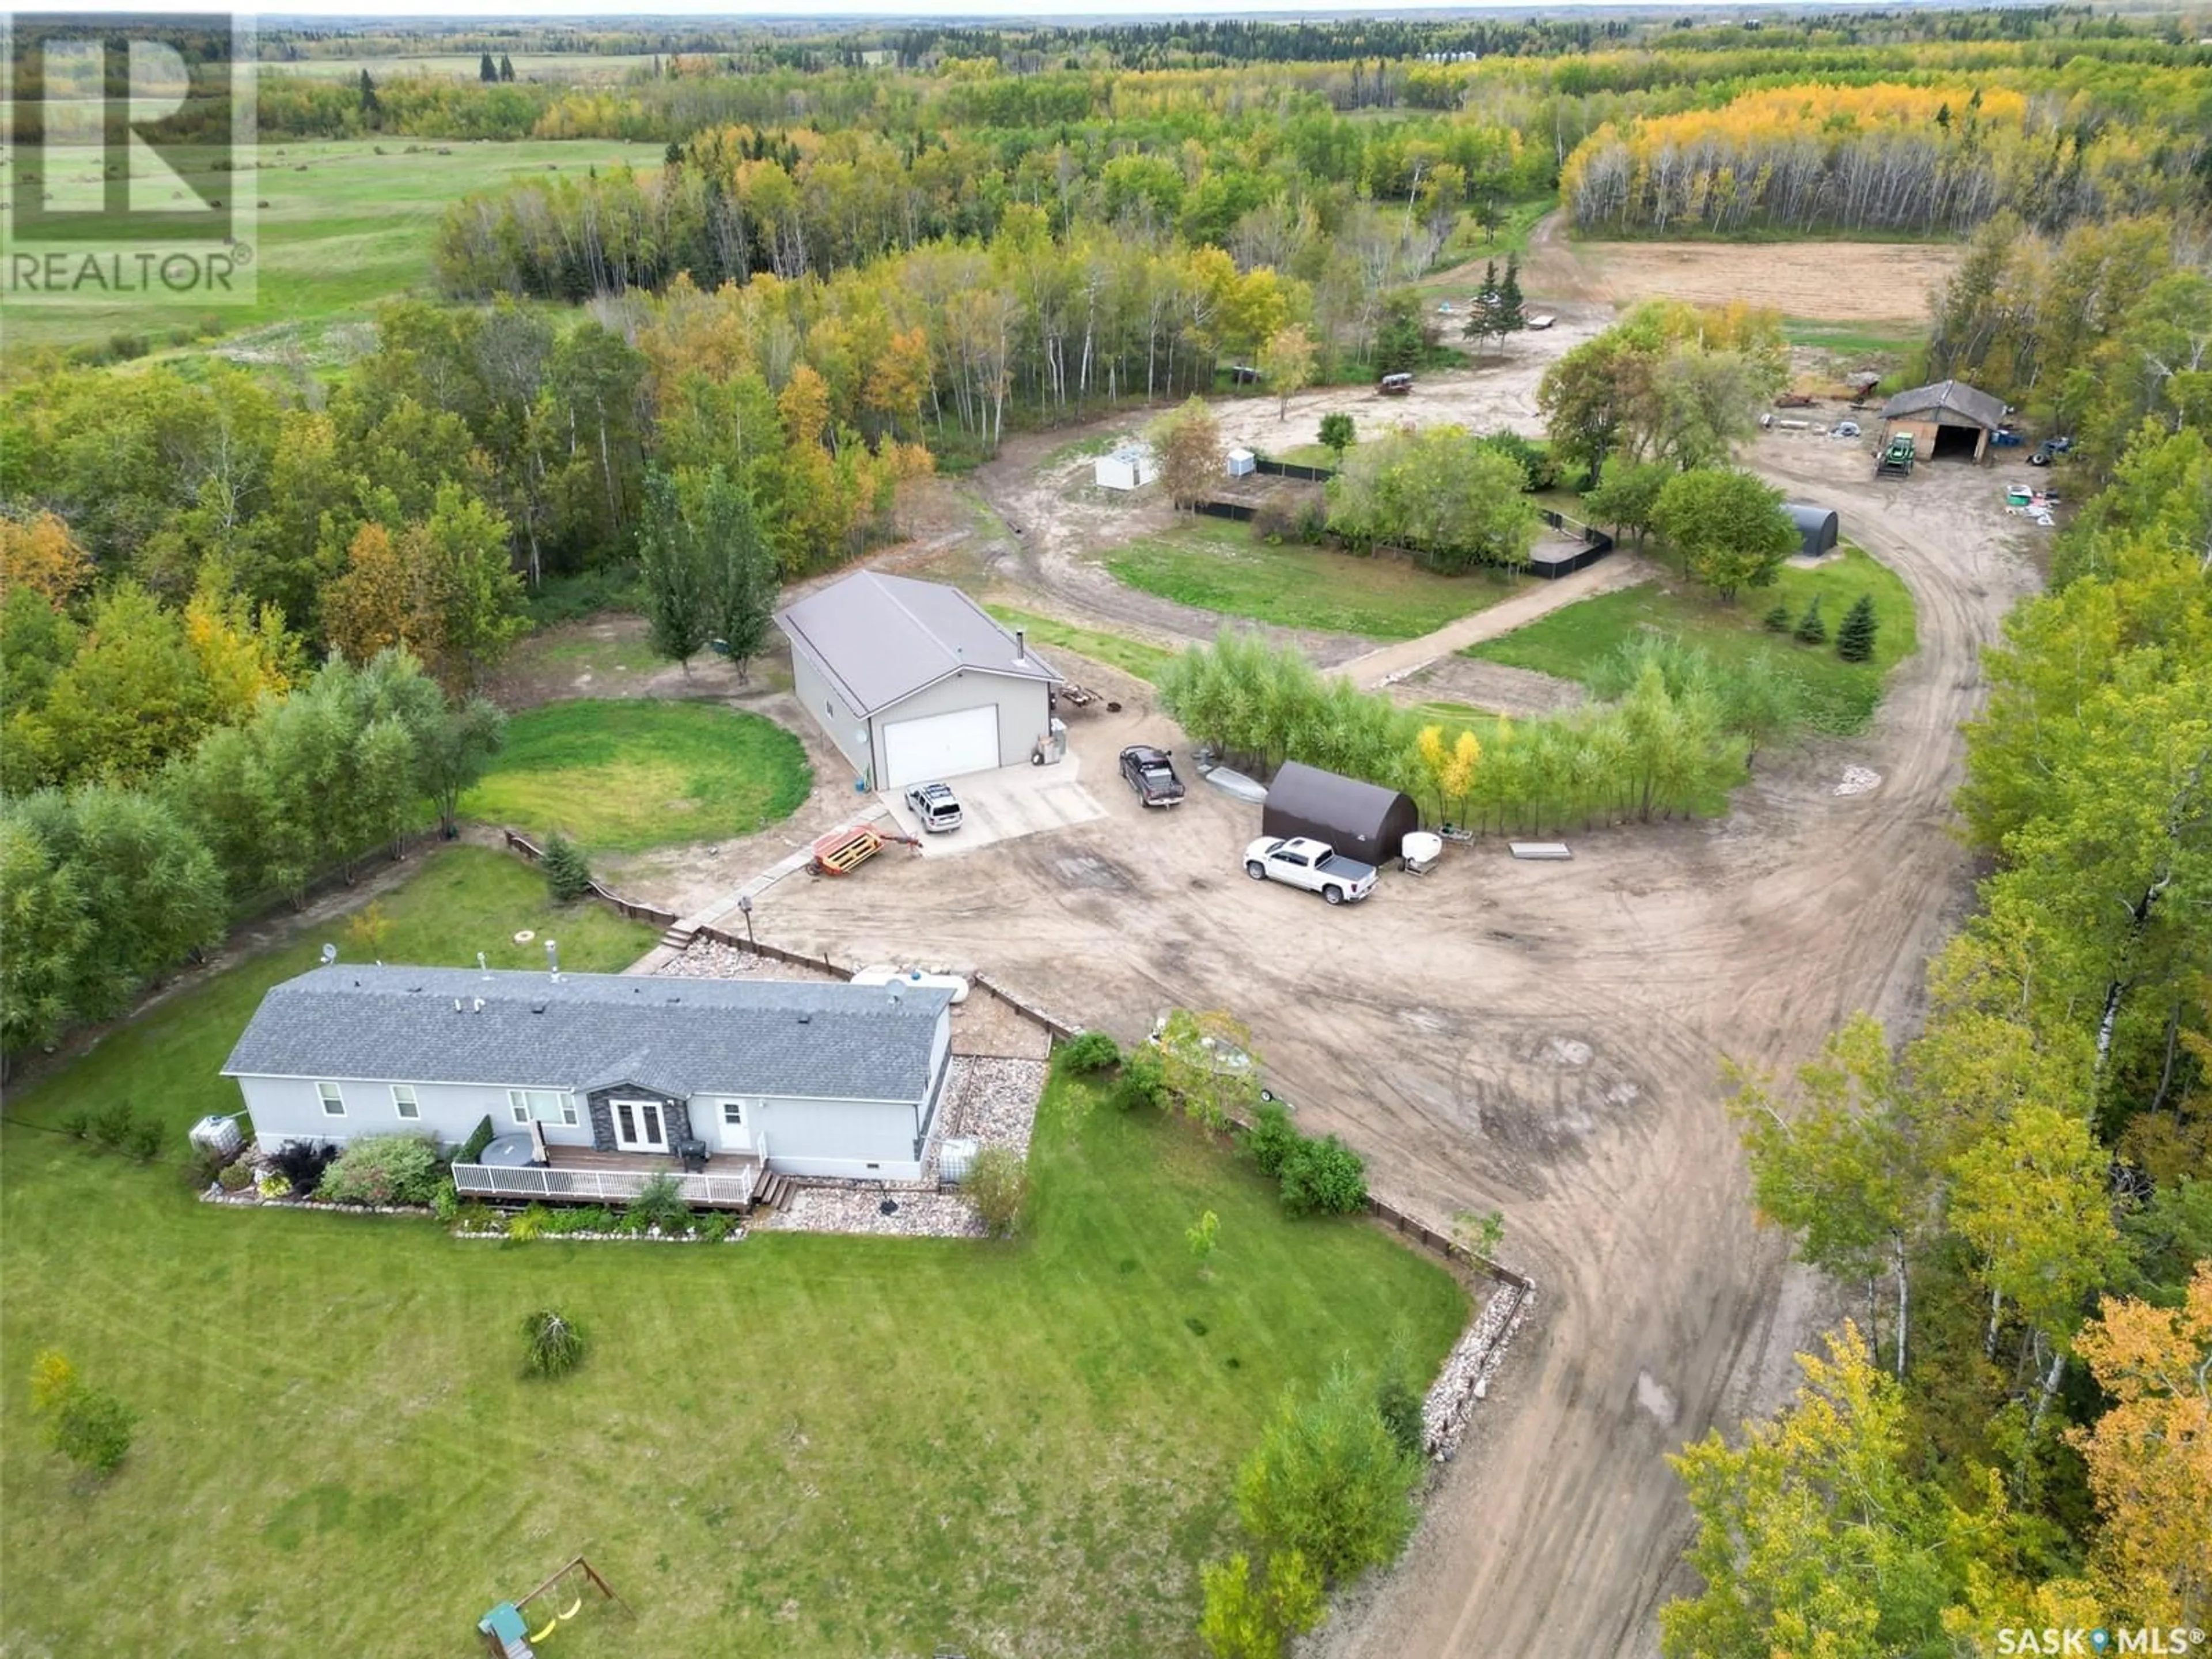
x: 581, y: 1175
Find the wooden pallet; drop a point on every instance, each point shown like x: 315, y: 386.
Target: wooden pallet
x: 774, y: 1191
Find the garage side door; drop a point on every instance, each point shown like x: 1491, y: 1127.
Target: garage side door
x: 941, y: 746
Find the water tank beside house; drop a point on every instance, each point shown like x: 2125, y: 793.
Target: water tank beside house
x: 218, y: 1137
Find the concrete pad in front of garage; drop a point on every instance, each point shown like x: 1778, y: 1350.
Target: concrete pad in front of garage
x: 995, y: 806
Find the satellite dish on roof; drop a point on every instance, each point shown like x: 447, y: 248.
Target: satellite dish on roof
x: 330, y: 955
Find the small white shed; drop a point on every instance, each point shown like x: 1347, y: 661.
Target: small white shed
x: 1241, y: 461
x: 1130, y: 467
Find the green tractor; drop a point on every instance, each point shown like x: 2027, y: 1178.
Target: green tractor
x: 1895, y: 461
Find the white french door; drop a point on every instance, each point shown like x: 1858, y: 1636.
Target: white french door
x: 639, y: 1127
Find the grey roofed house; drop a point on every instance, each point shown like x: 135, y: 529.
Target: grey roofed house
x: 1946, y: 398
x: 914, y: 681
x: 679, y: 1037
x: 881, y: 638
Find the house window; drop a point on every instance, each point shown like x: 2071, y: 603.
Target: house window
x: 734, y: 1113
x: 403, y: 1101
x: 546, y: 1105
x: 333, y: 1102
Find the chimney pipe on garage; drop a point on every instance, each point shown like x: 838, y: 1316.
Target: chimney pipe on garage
x: 1021, y: 647
x: 553, y: 959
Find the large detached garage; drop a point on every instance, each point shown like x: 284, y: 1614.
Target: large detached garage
x: 912, y: 681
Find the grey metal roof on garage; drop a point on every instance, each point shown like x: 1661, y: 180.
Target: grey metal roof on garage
x: 881, y: 638
x: 679, y: 1036
x: 1948, y: 397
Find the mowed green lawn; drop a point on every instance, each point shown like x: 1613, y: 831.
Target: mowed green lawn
x: 1137, y: 657
x: 1840, y: 697
x: 345, y: 228
x: 797, y: 1445
x: 622, y: 776
x: 1217, y: 565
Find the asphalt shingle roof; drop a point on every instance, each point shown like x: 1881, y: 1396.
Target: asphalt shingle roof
x: 881, y: 638
x: 582, y: 1031
x: 1951, y: 397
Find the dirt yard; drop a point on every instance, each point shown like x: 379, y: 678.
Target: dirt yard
x: 1821, y: 281
x: 1544, y: 1038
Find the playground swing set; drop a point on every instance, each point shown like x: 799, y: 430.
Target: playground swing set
x: 507, y: 1628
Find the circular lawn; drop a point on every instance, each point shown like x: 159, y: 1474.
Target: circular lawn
x: 622, y: 776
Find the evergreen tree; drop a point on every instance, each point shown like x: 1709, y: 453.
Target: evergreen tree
x: 369, y: 106
x: 1482, y: 314
x: 486, y: 69
x: 1511, y: 314
x: 1778, y: 620
x: 1811, y: 629
x: 506, y: 67
x: 567, y: 877
x: 1854, y: 639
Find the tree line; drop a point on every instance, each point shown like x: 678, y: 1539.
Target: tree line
x: 2092, y: 332
x: 1928, y: 158
x: 1670, y: 736
x: 2018, y: 1201
x: 109, y: 884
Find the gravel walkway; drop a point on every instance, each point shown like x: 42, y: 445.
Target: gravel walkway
x: 994, y: 1101
x: 705, y: 959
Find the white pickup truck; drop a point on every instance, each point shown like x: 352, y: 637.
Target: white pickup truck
x: 1312, y: 865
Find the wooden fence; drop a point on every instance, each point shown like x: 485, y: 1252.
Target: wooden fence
x: 630, y: 907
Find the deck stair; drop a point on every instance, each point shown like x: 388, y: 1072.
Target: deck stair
x: 773, y: 1191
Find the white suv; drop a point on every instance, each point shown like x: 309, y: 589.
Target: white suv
x: 936, y: 805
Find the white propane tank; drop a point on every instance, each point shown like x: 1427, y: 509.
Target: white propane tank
x: 220, y: 1136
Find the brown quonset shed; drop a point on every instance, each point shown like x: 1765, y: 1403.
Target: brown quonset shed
x: 1362, y: 821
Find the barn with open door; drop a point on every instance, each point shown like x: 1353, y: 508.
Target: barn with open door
x: 913, y: 682
x: 1948, y: 420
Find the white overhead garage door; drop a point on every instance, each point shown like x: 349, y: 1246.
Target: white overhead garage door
x: 941, y: 746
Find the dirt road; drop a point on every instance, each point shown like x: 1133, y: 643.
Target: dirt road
x: 1544, y: 1038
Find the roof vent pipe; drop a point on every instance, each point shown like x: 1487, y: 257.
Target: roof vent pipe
x: 482, y: 967
x: 456, y: 1004
x: 1021, y: 647
x: 479, y: 1002
x: 553, y: 959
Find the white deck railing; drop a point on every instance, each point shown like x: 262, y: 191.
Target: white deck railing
x: 482, y: 1181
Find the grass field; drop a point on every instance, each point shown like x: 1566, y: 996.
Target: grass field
x: 1218, y: 566
x: 798, y: 1446
x: 619, y: 777
x: 344, y: 228
x: 1133, y: 657
x: 1840, y: 697
x: 1860, y: 339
